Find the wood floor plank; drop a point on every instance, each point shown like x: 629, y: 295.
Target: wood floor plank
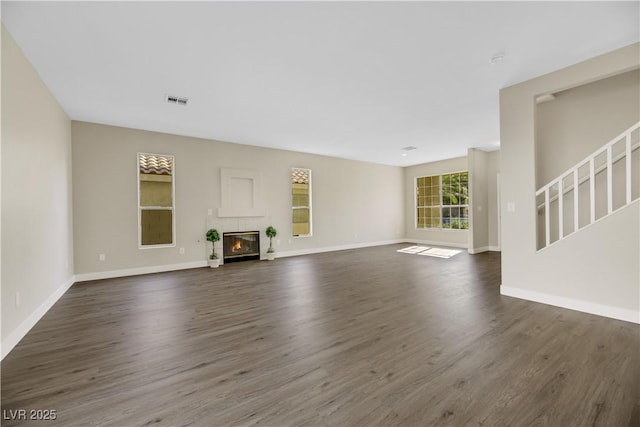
x: 361, y: 337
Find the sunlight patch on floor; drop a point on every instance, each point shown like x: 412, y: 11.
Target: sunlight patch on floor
x: 425, y: 250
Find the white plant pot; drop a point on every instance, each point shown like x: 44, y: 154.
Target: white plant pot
x: 271, y: 256
x: 214, y: 263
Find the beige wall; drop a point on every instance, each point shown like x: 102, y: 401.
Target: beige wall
x: 493, y: 207
x: 479, y: 201
x: 598, y: 266
x: 37, y: 241
x: 458, y: 238
x: 484, y: 168
x: 575, y: 124
x: 353, y: 202
x: 582, y: 119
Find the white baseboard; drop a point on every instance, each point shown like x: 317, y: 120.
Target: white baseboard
x: 338, y: 248
x: 474, y: 251
x: 435, y: 243
x: 139, y: 270
x: 17, y: 334
x: 14, y: 337
x: 572, y: 304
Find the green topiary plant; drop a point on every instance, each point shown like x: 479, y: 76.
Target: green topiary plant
x: 213, y: 236
x: 271, y: 233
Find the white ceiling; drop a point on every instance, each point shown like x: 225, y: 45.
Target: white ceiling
x: 357, y: 80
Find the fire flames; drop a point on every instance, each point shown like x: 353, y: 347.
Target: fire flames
x: 237, y: 245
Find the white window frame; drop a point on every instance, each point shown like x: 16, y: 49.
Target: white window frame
x: 310, y: 207
x: 172, y: 208
x: 440, y: 205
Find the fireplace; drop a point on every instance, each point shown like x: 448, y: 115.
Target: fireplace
x: 241, y: 246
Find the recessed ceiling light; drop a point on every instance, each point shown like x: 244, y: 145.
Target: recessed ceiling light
x: 406, y: 149
x: 497, y: 58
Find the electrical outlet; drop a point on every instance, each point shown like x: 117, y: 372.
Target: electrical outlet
x: 17, y: 299
x: 181, y: 251
x: 102, y: 257
x: 209, y: 211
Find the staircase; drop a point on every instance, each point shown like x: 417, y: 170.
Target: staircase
x: 606, y: 181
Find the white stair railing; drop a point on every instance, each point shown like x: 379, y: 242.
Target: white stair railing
x: 554, y: 192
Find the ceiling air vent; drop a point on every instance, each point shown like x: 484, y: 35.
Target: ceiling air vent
x: 177, y: 100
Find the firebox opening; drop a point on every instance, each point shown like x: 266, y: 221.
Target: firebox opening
x: 241, y: 246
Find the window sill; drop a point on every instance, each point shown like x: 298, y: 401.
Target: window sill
x: 443, y: 229
x: 172, y: 245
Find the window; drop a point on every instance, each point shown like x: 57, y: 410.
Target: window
x: 442, y: 201
x: 156, y: 194
x: 301, y: 202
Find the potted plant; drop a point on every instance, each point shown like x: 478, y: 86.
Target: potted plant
x: 271, y: 233
x: 213, y: 236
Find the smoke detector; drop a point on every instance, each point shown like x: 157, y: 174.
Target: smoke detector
x: 176, y: 100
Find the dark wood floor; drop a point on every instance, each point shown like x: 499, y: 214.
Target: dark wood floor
x: 360, y: 337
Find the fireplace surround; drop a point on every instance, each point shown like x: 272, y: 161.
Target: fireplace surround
x: 240, y: 246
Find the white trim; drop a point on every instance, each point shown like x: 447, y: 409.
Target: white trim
x: 584, y: 227
x: 415, y: 202
x: 446, y: 230
x: 440, y: 205
x: 338, y: 248
x: 18, y: 333
x: 140, y: 270
x: 310, y: 207
x: 172, y: 208
x: 572, y: 304
x: 436, y: 243
x: 499, y: 214
x: 473, y: 251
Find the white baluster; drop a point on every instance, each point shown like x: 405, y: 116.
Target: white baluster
x: 576, y: 215
x: 560, y: 209
x: 609, y: 181
x: 592, y: 190
x: 628, y: 166
x: 547, y: 230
